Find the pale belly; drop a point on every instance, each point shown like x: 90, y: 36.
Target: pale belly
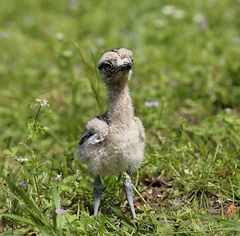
x: 120, y: 151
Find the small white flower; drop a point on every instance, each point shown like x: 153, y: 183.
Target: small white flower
x: 228, y: 110
x: 67, y: 53
x: 100, y: 41
x: 28, y: 21
x: 199, y: 18
x: 236, y: 40
x: 222, y: 61
x: 161, y: 23
x: 58, y: 177
x: 5, y: 34
x: 21, y: 159
x: 201, y: 21
x: 73, y: 4
x: 178, y: 14
x: 59, y: 36
x: 42, y: 103
x: 168, y: 10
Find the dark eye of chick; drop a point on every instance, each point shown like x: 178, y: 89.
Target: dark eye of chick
x: 107, y: 65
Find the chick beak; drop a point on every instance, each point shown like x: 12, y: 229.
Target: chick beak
x: 127, y: 66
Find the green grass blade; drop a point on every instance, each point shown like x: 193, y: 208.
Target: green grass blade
x: 36, y: 214
x: 26, y: 221
x: 18, y: 218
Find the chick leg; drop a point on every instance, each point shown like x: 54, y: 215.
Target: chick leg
x: 129, y: 193
x: 98, y: 189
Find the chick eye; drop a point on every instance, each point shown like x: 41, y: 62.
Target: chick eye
x: 106, y: 65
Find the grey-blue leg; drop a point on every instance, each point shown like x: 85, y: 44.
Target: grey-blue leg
x: 129, y: 193
x: 98, y: 189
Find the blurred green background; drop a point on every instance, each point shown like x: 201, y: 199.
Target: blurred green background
x: 185, y: 88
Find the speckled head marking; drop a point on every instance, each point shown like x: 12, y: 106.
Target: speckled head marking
x: 115, y: 65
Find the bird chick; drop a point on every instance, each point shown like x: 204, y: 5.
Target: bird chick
x: 114, y: 141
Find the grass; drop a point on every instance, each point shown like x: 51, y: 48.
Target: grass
x: 186, y: 59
